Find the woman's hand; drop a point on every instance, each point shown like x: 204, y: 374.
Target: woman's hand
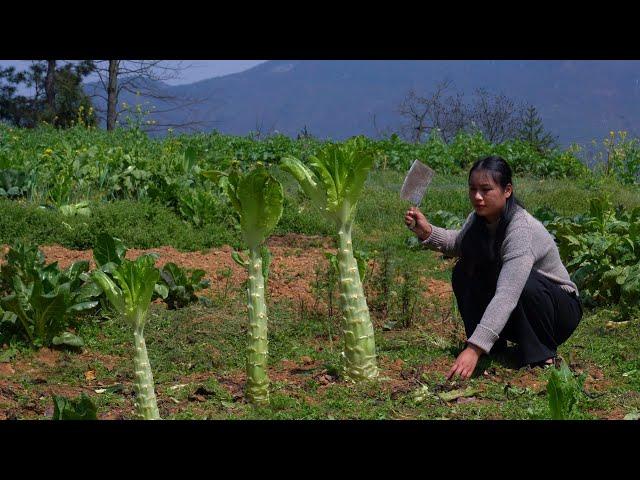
x: 417, y: 223
x: 466, y: 362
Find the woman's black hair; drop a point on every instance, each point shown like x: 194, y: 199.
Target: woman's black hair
x: 477, y: 249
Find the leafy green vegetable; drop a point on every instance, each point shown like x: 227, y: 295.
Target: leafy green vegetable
x: 181, y: 285
x: 563, y: 392
x: 333, y: 181
x: 80, y: 408
x: 81, y: 209
x: 44, y: 299
x: 108, y: 250
x: 601, y: 251
x: 130, y: 295
x: 258, y: 199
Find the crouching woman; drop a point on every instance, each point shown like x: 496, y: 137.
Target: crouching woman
x: 509, y: 281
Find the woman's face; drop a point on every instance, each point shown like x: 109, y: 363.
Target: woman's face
x: 487, y: 197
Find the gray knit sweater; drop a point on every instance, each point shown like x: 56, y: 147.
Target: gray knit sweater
x: 527, y: 245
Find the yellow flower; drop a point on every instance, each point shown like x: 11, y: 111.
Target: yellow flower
x: 48, y: 151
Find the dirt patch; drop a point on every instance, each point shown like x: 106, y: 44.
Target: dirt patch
x: 48, y: 357
x: 595, y: 379
x: 617, y: 413
x: 6, y: 370
x: 436, y: 289
x: 295, y: 240
x: 294, y: 261
x: 528, y: 378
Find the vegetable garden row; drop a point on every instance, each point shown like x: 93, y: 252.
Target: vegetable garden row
x: 202, y: 175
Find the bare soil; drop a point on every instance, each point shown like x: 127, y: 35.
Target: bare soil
x: 295, y: 259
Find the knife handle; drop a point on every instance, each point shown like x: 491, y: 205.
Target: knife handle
x: 412, y: 225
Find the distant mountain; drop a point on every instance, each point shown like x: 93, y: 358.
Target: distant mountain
x: 578, y: 100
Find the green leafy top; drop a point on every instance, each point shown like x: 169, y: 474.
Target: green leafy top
x: 135, y: 284
x: 108, y: 252
x: 563, y: 390
x: 258, y: 199
x: 335, y: 178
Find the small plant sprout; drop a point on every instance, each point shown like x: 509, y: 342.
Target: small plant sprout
x: 131, y: 298
x: 258, y: 198
x: 334, y: 183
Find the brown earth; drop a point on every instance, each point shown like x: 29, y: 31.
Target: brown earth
x: 295, y: 261
x: 293, y: 264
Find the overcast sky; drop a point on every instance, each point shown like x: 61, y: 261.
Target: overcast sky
x: 198, y: 69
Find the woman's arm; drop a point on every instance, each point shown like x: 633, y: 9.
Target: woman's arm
x: 447, y: 241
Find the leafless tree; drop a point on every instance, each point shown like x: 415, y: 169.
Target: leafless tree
x: 446, y: 114
x: 142, y: 77
x: 496, y: 116
x: 260, y: 131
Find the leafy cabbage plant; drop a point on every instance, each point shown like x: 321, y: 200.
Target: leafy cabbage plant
x: 258, y: 199
x: 130, y: 295
x: 333, y: 180
x: 42, y: 300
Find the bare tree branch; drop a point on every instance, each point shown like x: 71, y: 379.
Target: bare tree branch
x: 496, y: 116
x: 144, y: 78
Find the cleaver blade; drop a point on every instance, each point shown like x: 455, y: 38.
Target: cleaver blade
x: 416, y: 182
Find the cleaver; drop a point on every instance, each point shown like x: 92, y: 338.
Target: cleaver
x: 416, y: 183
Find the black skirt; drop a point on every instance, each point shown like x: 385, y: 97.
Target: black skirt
x: 544, y: 317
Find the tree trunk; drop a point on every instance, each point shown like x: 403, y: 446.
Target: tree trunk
x: 112, y: 94
x: 50, y: 87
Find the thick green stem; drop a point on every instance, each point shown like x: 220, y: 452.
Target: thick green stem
x: 359, y: 341
x: 257, y: 343
x: 146, y: 405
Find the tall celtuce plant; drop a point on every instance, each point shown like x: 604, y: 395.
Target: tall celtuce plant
x: 131, y: 297
x: 334, y: 183
x: 258, y: 198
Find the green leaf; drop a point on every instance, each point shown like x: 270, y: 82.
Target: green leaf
x: 79, y: 209
x: 213, y: 175
x: 239, y: 260
x: 324, y: 164
x: 69, y: 339
x: 108, y: 250
x: 161, y: 290
x: 336, y: 177
x: 562, y: 393
x: 261, y: 199
x: 48, y: 315
x: 229, y: 185
x: 89, y: 290
x: 137, y: 280
x: 82, y: 306
x: 266, y: 261
x: 113, y: 292
x: 361, y: 164
x: 307, y: 180
x: 454, y: 394
x: 81, y: 408
x: 190, y: 159
x: 12, y: 304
